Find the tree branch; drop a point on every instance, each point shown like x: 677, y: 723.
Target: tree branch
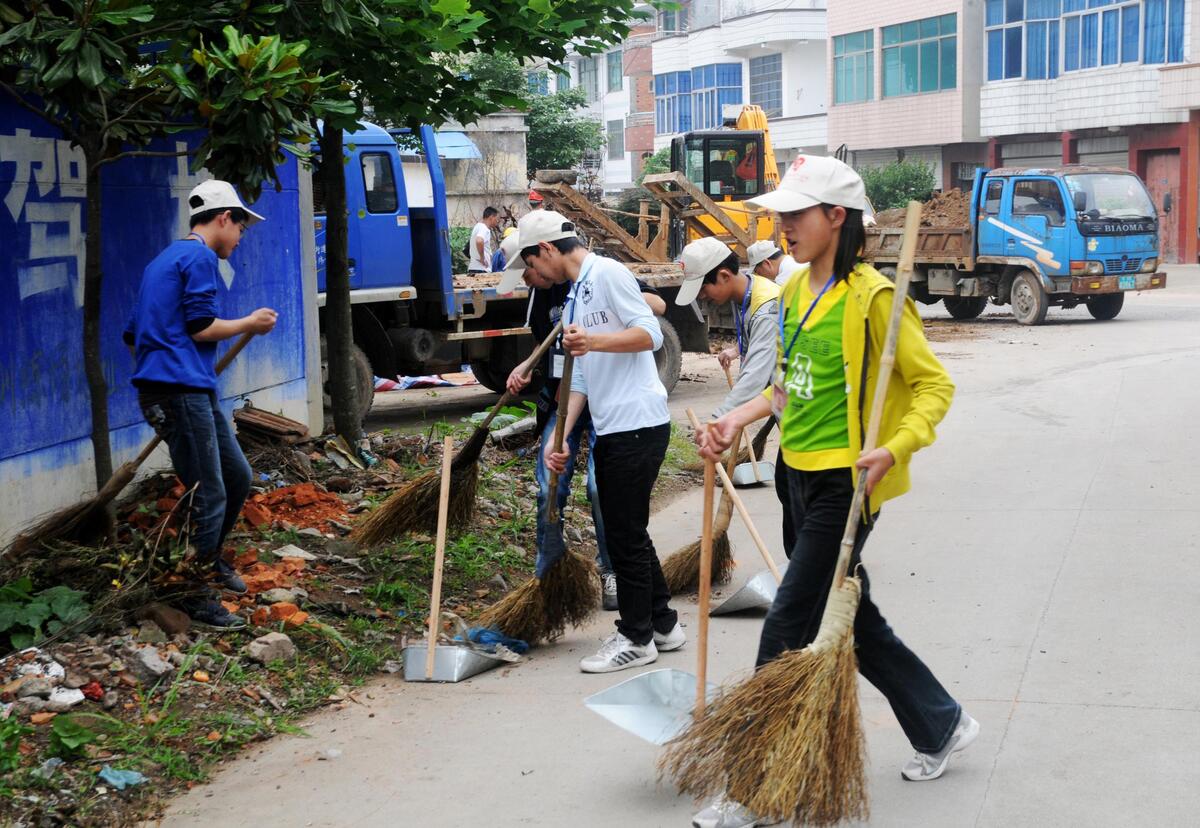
x: 62, y: 125
x: 145, y: 154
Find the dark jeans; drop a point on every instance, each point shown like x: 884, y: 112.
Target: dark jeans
x: 785, y: 500
x: 550, y: 545
x: 204, y: 452
x: 819, y: 503
x: 627, y: 465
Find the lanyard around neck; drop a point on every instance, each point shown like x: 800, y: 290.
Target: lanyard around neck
x: 741, y: 316
x: 787, y: 353
x: 584, y: 271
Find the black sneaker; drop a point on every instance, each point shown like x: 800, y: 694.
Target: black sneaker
x: 226, y: 576
x: 210, y: 614
x: 608, y: 582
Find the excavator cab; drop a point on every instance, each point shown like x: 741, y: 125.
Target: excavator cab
x: 725, y: 165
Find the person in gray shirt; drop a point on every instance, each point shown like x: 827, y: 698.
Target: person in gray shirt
x: 710, y: 271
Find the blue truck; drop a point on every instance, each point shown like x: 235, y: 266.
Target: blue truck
x: 411, y: 314
x: 1036, y: 238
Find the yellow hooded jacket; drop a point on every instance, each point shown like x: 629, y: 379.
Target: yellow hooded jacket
x: 919, y: 391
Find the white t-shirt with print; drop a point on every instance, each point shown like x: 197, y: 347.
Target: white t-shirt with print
x: 623, y: 390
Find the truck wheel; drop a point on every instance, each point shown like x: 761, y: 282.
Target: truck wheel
x: 1029, y: 299
x: 487, y: 378
x: 506, y: 354
x: 1107, y: 306
x: 965, y: 307
x: 669, y: 358
x: 364, y: 380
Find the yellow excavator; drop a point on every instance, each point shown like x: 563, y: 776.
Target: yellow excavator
x: 712, y: 172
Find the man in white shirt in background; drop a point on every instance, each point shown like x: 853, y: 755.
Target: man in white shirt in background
x: 482, y: 245
x: 611, y: 332
x: 769, y: 261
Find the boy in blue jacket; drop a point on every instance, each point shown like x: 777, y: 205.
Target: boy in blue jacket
x: 173, y: 333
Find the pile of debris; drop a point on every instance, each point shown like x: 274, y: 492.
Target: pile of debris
x: 946, y: 209
x: 304, y: 506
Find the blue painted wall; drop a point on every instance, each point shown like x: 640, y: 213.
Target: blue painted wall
x: 44, y: 414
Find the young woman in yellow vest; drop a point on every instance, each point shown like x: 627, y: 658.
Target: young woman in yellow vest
x: 832, y: 323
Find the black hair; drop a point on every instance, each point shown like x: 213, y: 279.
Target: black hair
x: 850, y: 243
x: 563, y: 246
x: 236, y: 214
x: 776, y: 255
x: 731, y: 264
x: 488, y: 212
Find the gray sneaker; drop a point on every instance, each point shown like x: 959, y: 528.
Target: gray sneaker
x: 924, y: 767
x: 608, y: 583
x: 725, y: 813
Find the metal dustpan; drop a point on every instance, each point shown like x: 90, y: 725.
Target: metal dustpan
x: 743, y: 474
x: 655, y: 706
x: 756, y: 593
x: 451, y: 663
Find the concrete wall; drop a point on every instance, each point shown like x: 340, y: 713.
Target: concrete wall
x: 45, y: 449
x: 498, y: 179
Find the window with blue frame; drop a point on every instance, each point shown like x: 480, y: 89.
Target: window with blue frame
x: 713, y: 87
x: 672, y: 102
x: 920, y: 56
x: 854, y: 67
x: 1072, y: 35
x: 539, y: 82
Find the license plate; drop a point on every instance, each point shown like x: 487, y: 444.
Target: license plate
x: 1127, y: 282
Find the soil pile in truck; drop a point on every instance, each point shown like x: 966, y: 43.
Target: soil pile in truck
x: 947, y: 209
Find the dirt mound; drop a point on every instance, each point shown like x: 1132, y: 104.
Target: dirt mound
x: 948, y: 209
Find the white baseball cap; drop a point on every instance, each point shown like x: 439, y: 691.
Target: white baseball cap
x: 760, y: 251
x: 699, y: 259
x: 812, y: 180
x: 535, y: 227
x: 219, y: 195
x: 511, y: 248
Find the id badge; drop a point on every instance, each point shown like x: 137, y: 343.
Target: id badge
x: 778, y: 395
x: 558, y: 361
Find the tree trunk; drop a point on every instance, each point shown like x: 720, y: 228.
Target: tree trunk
x: 93, y: 365
x: 339, y: 331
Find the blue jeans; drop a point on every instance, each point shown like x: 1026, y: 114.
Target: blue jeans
x: 206, y: 456
x: 819, y: 504
x: 550, y: 544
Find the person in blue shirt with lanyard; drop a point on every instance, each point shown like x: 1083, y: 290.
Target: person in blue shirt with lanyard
x: 173, y: 333
x: 611, y: 333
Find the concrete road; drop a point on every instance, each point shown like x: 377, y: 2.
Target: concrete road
x: 1044, y: 566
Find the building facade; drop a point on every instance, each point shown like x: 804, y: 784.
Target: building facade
x: 708, y: 55
x: 904, y: 84
x: 1102, y: 82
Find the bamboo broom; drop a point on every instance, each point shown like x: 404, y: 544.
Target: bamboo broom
x: 88, y: 521
x: 413, y: 507
x: 541, y: 608
x: 787, y: 743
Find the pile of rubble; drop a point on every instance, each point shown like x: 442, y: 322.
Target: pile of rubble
x: 946, y: 209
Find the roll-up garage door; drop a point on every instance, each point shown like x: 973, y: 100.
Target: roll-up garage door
x: 1032, y: 154
x: 1109, y: 151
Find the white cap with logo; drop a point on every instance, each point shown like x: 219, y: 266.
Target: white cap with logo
x: 219, y: 195
x: 699, y: 259
x: 812, y: 180
x: 535, y: 227
x: 760, y: 251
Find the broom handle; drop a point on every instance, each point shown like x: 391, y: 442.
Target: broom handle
x: 749, y: 443
x: 706, y: 554
x: 904, y: 268
x: 731, y: 493
x: 221, y: 365
x: 508, y: 396
x: 564, y: 399
x: 439, y: 558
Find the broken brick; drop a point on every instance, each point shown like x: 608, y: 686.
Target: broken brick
x: 260, y: 617
x: 282, y: 610
x: 256, y: 515
x: 231, y: 606
x: 42, y: 718
x: 295, y: 619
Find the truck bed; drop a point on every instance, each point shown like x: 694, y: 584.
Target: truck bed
x: 935, y: 245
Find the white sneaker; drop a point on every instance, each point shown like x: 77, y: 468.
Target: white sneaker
x: 924, y: 767
x: 618, y: 653
x: 725, y: 813
x: 665, y: 642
